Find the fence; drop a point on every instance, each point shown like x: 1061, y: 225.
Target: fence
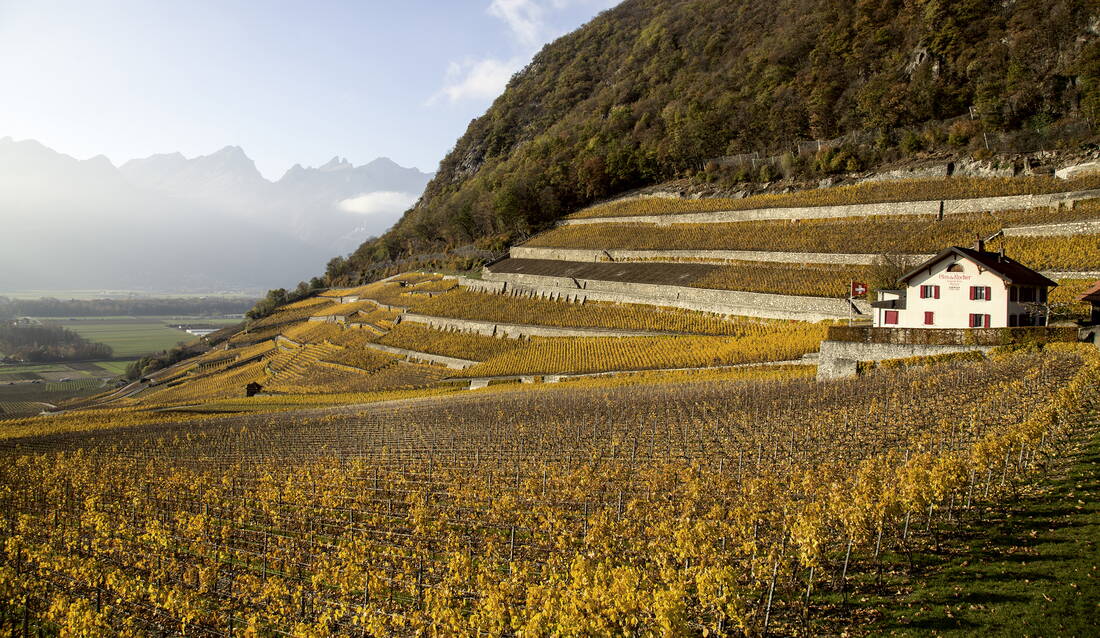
x: 948, y: 337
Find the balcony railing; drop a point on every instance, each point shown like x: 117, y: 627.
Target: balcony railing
x: 951, y: 337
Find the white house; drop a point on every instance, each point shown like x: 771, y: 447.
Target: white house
x: 965, y: 288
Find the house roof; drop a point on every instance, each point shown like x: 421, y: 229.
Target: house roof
x: 1092, y: 294
x: 1006, y: 268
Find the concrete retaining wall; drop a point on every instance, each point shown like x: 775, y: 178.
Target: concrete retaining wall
x: 933, y: 207
x: 726, y: 302
x: 412, y: 355
x: 572, y: 254
x: 839, y: 359
x: 519, y: 331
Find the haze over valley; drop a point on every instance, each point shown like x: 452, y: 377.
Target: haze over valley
x: 171, y: 223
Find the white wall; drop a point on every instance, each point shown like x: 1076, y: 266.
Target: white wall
x: 953, y: 308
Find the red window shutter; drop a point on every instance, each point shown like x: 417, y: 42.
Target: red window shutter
x: 937, y: 291
x: 987, y: 322
x: 891, y: 317
x: 929, y: 318
x: 988, y: 294
x: 973, y: 293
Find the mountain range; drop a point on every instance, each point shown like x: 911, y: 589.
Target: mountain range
x: 170, y: 223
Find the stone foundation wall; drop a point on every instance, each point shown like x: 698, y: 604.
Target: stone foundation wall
x: 839, y: 359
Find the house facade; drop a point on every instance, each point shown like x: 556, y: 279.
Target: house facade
x: 1092, y: 297
x: 965, y: 288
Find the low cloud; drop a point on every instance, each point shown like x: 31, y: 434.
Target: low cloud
x: 525, y: 19
x: 530, y: 24
x: 378, y: 203
x: 476, y: 79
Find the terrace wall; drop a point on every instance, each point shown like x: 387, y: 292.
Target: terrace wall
x: 726, y: 302
x: 412, y: 355
x: 519, y: 331
x: 1054, y: 230
x: 933, y: 207
x: 583, y: 254
x: 840, y: 359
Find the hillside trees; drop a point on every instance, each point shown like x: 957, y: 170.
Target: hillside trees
x: 651, y: 89
x: 39, y: 343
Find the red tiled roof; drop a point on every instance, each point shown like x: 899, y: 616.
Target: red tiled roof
x: 1092, y: 294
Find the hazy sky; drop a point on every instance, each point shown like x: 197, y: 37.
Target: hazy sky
x: 291, y: 82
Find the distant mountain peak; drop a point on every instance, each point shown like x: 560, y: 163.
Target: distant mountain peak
x: 337, y: 163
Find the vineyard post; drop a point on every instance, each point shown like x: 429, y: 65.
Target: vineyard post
x: 771, y: 593
x: 844, y: 572
x: 809, y: 587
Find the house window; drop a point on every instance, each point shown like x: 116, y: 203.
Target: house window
x: 890, y: 317
x: 1027, y: 294
x: 979, y: 321
x: 1042, y: 294
x: 955, y: 268
x: 1013, y: 321
x: 1013, y: 294
x: 981, y: 293
x: 929, y: 318
x: 929, y: 292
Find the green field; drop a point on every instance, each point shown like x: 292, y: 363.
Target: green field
x: 53, y: 372
x: 132, y: 337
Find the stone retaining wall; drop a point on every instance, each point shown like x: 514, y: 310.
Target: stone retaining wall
x: 933, y: 207
x: 726, y: 302
x: 583, y: 254
x: 451, y: 362
x: 519, y: 331
x: 1091, y: 227
x: 839, y: 359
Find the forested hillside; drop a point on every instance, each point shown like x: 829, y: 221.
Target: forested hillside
x: 652, y: 89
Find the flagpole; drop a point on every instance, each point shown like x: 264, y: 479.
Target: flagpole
x: 851, y: 290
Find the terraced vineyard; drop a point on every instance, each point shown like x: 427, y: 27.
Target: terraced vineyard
x: 867, y: 193
x: 917, y: 234
x: 465, y: 304
x: 779, y: 342
x: 667, y: 509
x: 460, y: 345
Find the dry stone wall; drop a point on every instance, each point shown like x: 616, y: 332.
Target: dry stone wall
x: 932, y: 207
x: 520, y: 331
x: 412, y: 355
x: 718, y: 256
x: 726, y: 302
x: 840, y: 359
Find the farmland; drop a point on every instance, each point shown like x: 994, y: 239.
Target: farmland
x: 131, y: 337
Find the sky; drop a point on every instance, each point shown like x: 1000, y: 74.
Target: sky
x: 290, y: 82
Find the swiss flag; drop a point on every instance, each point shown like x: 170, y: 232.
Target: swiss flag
x: 859, y: 289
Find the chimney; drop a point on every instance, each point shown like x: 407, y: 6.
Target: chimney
x: 979, y: 243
